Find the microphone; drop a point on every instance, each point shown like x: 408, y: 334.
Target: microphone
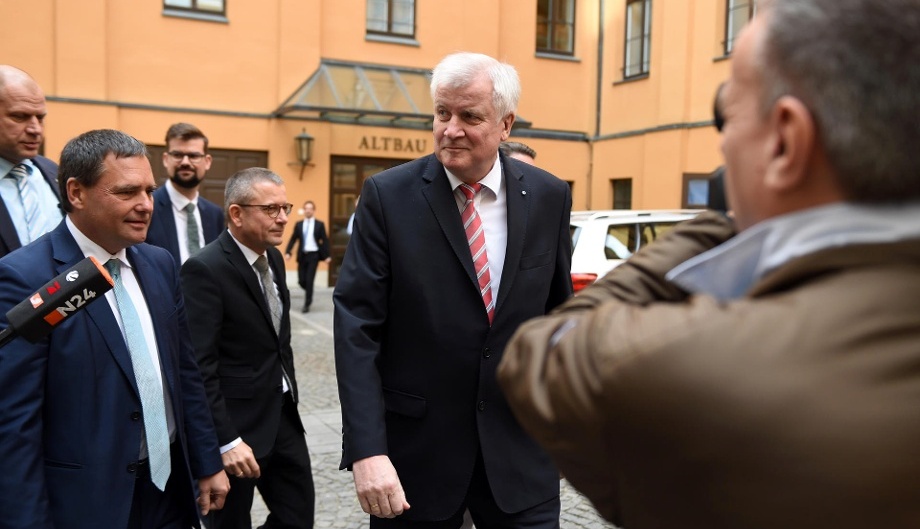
x: 70, y: 292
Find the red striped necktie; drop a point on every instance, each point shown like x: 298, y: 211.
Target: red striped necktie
x: 476, y: 238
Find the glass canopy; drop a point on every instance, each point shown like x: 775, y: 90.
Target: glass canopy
x: 363, y: 93
x: 369, y: 94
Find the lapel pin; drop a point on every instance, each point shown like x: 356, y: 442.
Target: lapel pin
x: 523, y: 192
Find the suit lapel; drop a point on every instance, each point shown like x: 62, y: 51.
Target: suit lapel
x: 159, y: 304
x: 8, y: 229
x: 516, y: 200
x: 167, y: 221
x: 441, y: 199
x: 66, y: 254
x: 208, y: 221
x: 247, y: 274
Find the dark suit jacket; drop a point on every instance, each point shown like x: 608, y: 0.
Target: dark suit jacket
x: 240, y: 355
x: 319, y: 235
x: 69, y: 409
x: 9, y: 239
x: 162, y: 231
x: 415, y: 354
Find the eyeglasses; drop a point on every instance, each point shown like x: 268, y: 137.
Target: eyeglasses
x: 272, y: 210
x: 193, y: 157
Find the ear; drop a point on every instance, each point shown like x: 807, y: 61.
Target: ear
x: 794, y: 132
x: 233, y: 215
x: 76, y: 193
x: 165, y: 156
x: 507, y: 122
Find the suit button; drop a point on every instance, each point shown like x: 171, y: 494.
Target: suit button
x: 136, y: 416
x: 132, y: 467
x: 486, y: 353
x: 482, y: 405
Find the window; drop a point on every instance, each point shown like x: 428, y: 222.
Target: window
x: 622, y: 193
x: 207, y: 7
x: 696, y: 190
x: 737, y: 14
x: 638, y: 37
x: 556, y: 26
x: 395, y: 18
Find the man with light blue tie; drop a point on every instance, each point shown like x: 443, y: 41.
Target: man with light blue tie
x: 29, y: 202
x: 105, y: 423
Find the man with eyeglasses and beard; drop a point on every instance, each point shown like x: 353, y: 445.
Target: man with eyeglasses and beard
x: 183, y: 221
x: 239, y: 319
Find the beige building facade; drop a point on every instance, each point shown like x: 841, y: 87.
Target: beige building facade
x: 617, y: 94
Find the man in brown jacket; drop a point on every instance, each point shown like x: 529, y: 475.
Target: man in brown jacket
x: 769, y: 379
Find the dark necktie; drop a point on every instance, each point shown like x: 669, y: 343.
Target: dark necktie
x: 194, y: 243
x: 271, y: 294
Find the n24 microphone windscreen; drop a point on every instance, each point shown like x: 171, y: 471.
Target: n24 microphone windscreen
x: 68, y: 293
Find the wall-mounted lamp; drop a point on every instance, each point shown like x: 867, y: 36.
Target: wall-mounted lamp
x: 304, y: 144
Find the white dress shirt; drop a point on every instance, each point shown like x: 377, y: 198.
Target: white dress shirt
x: 493, y: 212
x: 129, y: 280
x: 309, y: 238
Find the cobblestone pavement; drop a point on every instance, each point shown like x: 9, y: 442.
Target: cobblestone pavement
x: 336, y: 504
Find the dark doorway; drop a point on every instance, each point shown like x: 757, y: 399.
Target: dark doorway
x: 224, y: 162
x: 348, y: 175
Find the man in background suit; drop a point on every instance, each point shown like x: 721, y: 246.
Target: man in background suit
x: 420, y: 325
x: 314, y: 247
x: 31, y: 207
x: 240, y: 323
x: 184, y: 221
x: 77, y: 436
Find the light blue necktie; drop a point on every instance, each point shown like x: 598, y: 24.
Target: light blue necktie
x: 29, y: 199
x: 148, y: 384
x: 194, y: 244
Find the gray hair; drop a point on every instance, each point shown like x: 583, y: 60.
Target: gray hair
x: 83, y: 158
x: 854, y: 65
x: 509, y: 147
x: 240, y: 185
x: 459, y: 69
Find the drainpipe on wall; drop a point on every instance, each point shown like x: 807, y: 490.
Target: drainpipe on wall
x: 599, y: 96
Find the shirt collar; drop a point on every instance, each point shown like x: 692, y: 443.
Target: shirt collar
x: 250, y: 255
x: 729, y: 270
x: 6, y: 166
x: 492, y: 181
x: 179, y: 201
x: 91, y: 249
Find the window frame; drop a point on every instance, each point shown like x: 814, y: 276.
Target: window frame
x: 391, y: 9
x: 553, y: 25
x: 731, y: 33
x: 619, y: 202
x: 196, y: 11
x: 691, y: 178
x: 645, y: 40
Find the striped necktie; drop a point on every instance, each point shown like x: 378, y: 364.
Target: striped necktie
x: 476, y: 238
x: 29, y: 199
